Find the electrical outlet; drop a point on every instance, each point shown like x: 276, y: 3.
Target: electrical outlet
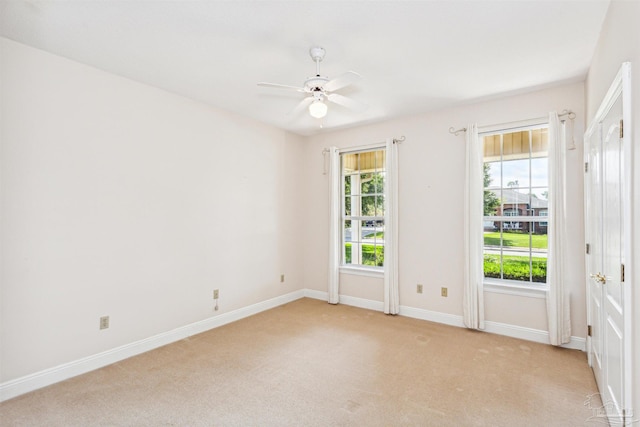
x: 419, y: 288
x: 216, y: 293
x: 104, y: 322
x: 282, y: 278
x: 444, y: 292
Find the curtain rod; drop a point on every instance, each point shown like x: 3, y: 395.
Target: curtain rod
x: 570, y: 115
x: 395, y: 141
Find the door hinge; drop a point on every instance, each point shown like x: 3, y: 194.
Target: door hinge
x: 588, y: 330
x: 586, y: 167
x: 621, y: 273
x: 621, y: 128
x: 588, y: 248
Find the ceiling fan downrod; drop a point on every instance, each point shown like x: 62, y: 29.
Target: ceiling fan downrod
x: 317, y: 54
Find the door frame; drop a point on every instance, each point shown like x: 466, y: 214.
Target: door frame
x: 621, y: 86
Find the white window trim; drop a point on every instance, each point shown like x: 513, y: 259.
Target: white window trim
x: 506, y: 286
x: 513, y: 287
x: 359, y: 269
x: 513, y: 126
x: 370, y: 147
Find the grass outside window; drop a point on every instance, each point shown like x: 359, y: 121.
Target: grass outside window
x: 516, y: 268
x: 538, y: 241
x: 371, y: 255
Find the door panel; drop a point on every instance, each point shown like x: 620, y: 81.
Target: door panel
x: 593, y: 231
x: 612, y: 259
x: 606, y: 217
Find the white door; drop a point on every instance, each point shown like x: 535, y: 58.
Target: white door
x: 606, y: 216
x: 593, y: 224
x: 612, y: 303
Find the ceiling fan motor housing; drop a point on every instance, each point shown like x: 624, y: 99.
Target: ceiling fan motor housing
x: 317, y: 53
x: 315, y: 83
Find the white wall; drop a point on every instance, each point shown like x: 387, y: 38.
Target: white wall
x: 620, y: 42
x: 124, y: 200
x: 431, y: 180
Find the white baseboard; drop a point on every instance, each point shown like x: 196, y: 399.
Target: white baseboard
x: 59, y: 373
x: 529, y: 334
x: 432, y: 316
x: 346, y: 300
x: 312, y: 293
x: 521, y: 332
x: 65, y: 371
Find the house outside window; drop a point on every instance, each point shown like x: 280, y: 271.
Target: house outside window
x: 516, y: 206
x: 363, y: 208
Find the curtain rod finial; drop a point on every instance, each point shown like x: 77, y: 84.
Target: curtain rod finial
x: 455, y: 132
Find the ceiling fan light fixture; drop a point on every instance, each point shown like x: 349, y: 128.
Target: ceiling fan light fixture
x: 318, y: 109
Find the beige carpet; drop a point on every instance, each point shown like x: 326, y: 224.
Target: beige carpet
x: 309, y: 363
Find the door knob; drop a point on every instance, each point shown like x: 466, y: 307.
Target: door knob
x: 598, y: 278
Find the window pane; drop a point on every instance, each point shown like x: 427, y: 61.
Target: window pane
x: 347, y: 231
x: 373, y: 255
x: 539, y: 259
x: 491, y: 202
x: 373, y: 231
x: 515, y: 173
x: 538, y: 203
x: 539, y: 269
x: 347, y: 185
x: 349, y: 162
x: 493, y: 239
x: 368, y: 229
x: 347, y: 206
x: 516, y: 267
x: 492, y: 265
x: 515, y: 240
x: 367, y: 185
x: 539, y: 172
x: 347, y: 253
x: 540, y: 193
x: 492, y: 171
x: 379, y: 206
x: 380, y: 180
x: 539, y: 239
x: 369, y: 205
x: 347, y: 235
x: 514, y: 203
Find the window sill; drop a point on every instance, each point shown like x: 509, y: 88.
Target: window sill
x: 514, y: 288
x: 362, y: 271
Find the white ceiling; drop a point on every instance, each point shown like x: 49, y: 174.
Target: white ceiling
x: 414, y: 56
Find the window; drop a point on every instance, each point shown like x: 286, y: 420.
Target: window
x: 363, y: 208
x: 516, y: 206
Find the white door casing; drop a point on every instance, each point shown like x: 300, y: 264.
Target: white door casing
x: 608, y: 233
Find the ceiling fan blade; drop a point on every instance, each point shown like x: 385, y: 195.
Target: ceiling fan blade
x: 349, y: 103
x: 341, y: 81
x: 279, y: 86
x: 301, y: 106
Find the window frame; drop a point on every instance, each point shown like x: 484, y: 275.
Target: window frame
x: 508, y: 286
x: 359, y: 269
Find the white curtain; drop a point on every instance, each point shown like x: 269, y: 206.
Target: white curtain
x: 557, y: 298
x: 473, y: 292
x: 391, y: 292
x: 335, y: 245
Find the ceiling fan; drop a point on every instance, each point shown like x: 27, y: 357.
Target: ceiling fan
x: 320, y: 89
